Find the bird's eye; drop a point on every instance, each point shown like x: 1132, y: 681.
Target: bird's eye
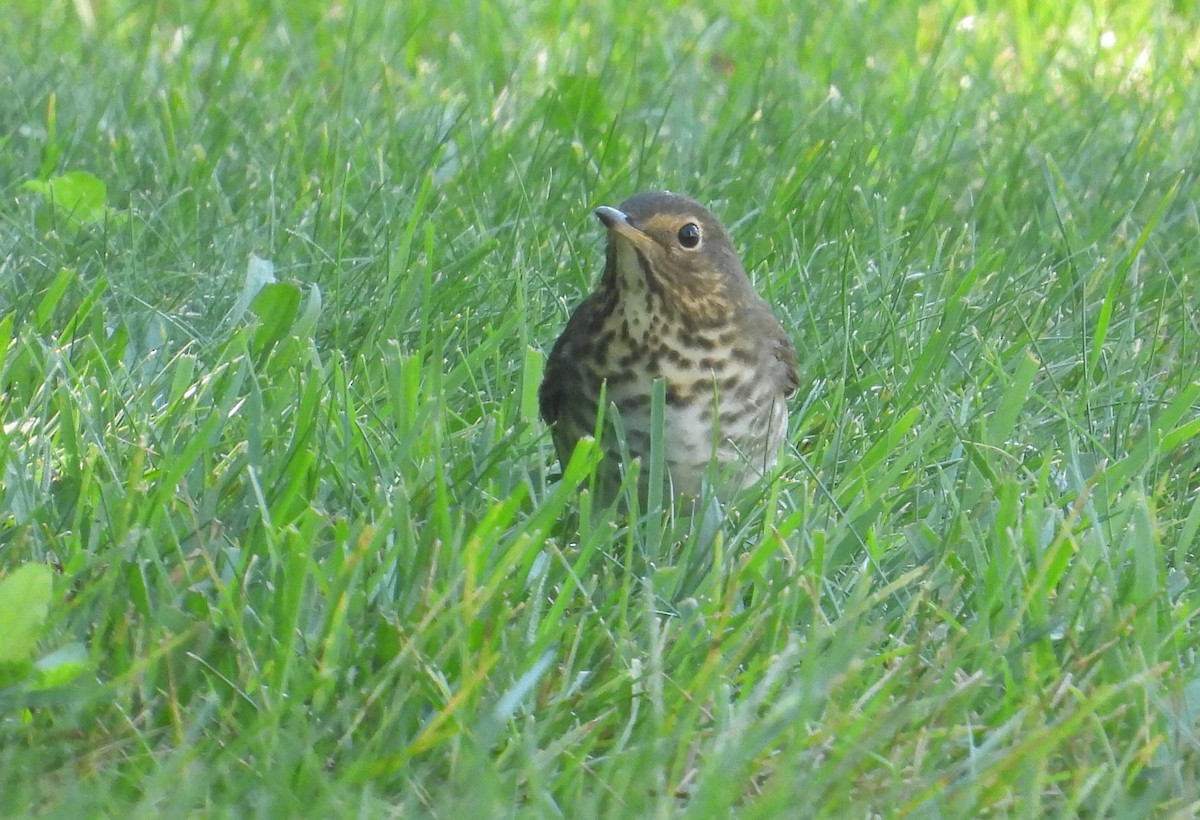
x: 689, y: 235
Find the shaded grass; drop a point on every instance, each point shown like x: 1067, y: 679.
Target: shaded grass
x: 331, y: 567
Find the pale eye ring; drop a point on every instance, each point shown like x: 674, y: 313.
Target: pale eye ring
x: 689, y: 236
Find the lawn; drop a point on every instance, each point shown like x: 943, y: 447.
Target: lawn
x: 281, y: 533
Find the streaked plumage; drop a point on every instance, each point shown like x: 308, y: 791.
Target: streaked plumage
x: 688, y: 314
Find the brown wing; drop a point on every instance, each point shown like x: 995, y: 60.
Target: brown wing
x: 561, y: 368
x: 551, y: 391
x: 561, y: 383
x: 778, y: 342
x: 785, y: 351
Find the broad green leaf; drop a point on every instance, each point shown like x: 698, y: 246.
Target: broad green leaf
x: 78, y: 195
x: 276, y: 306
x: 307, y: 322
x: 24, y: 604
x: 259, y: 273
x: 61, y: 666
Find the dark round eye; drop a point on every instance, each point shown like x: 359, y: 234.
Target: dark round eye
x: 689, y: 235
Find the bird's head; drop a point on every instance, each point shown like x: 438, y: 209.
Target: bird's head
x: 672, y: 246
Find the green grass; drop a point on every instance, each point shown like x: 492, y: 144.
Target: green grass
x: 314, y: 555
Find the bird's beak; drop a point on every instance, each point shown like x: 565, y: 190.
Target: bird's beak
x: 618, y: 224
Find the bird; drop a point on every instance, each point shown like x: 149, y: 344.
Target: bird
x: 673, y: 303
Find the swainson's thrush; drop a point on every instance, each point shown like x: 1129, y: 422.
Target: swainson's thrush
x: 674, y: 303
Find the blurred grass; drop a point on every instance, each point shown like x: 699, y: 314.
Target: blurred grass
x: 327, y: 566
